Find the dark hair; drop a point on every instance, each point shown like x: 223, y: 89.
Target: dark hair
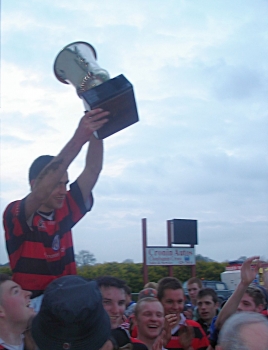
x: 257, y: 295
x: 38, y: 165
x: 206, y: 292
x: 195, y: 280
x: 127, y: 290
x: 167, y: 283
x: 265, y: 293
x: 110, y: 281
x: 3, y: 278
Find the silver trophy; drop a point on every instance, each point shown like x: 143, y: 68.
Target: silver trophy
x: 76, y: 64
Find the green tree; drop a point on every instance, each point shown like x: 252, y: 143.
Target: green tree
x: 6, y: 270
x: 133, y: 273
x: 209, y: 270
x: 84, y: 258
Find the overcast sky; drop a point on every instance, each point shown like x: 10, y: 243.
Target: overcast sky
x: 200, y: 75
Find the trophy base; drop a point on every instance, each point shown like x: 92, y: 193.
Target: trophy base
x: 116, y: 96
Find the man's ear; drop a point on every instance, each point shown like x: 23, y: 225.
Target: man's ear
x: 32, y: 182
x: 260, y: 308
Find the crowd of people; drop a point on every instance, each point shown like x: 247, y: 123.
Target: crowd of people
x: 77, y: 313
x: 46, y: 306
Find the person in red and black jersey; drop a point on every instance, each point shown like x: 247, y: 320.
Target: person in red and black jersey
x: 38, y: 227
x: 149, y: 318
x: 186, y: 334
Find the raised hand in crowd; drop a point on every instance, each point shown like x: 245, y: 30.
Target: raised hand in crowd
x: 249, y: 271
x: 186, y: 336
x: 170, y: 322
x: 159, y: 342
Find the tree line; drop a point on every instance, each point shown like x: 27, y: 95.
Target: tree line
x: 132, y: 273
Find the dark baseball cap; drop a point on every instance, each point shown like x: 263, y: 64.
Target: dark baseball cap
x: 71, y: 316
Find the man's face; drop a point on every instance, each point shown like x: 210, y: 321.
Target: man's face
x: 247, y: 304
x: 150, y: 319
x: 173, y: 301
x: 57, y: 197
x: 114, y: 302
x: 207, y: 309
x: 15, y: 303
x: 193, y: 290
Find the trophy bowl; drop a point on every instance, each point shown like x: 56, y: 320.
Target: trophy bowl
x: 76, y: 64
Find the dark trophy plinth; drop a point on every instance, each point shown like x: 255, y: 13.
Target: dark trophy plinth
x: 76, y: 64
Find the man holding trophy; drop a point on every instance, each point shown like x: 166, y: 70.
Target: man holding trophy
x: 38, y: 227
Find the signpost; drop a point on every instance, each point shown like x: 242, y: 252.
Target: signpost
x: 179, y: 231
x: 167, y: 256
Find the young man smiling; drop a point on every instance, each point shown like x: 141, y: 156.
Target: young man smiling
x: 150, y: 319
x: 15, y: 314
x: 113, y: 298
x: 186, y: 334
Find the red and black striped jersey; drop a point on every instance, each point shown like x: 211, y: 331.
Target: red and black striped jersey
x: 200, y: 341
x: 43, y: 251
x: 4, y: 346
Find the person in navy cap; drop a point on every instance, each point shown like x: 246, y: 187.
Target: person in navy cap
x: 72, y: 317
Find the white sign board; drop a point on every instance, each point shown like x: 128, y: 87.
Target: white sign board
x: 170, y: 256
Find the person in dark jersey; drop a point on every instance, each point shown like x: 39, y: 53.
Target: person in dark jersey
x: 72, y: 317
x: 38, y: 227
x: 114, y: 298
x: 113, y: 291
x: 194, y: 285
x: 208, y: 308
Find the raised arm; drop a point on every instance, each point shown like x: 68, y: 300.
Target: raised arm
x: 89, y: 176
x: 248, y: 274
x: 51, y: 175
